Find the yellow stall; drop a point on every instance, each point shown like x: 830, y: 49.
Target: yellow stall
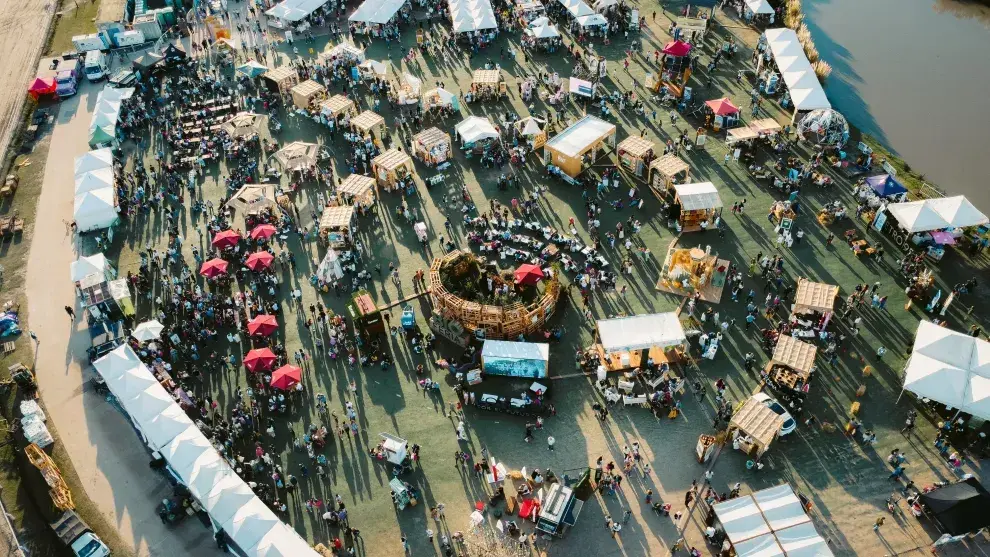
x: 575, y: 149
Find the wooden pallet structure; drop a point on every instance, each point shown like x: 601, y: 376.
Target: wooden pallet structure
x: 60, y: 493
x: 497, y: 322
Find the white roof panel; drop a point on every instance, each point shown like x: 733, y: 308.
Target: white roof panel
x: 516, y: 350
x: 702, y: 195
x: 377, y: 11
x: 576, y: 138
x: 640, y: 332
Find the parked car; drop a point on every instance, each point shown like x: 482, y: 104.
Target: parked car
x: 790, y: 424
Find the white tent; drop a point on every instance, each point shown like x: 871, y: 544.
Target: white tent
x: 376, y: 11
x: 471, y: 15
x: 166, y: 426
x: 575, y: 139
x: 83, y: 267
x: 115, y: 93
x: 917, y: 216
x: 806, y: 91
x: 187, y: 448
x: 228, y: 494
x: 346, y: 51
x: 414, y: 83
x: 957, y: 211
x: 280, y: 541
x: 592, y: 20
x: 577, y: 8
x: 760, y: 546
x: 703, y: 195
x: 94, y: 210
x: 295, y: 10
x: 760, y: 7
x: 802, y: 540
x: 509, y: 350
x: 93, y: 160
x: 475, y: 128
x: 205, y: 474
x: 543, y: 31
x: 121, y: 360
x: 950, y: 367
x: 768, y: 523
x: 148, y: 404
x: 149, y: 330
x: 641, y: 332
x: 330, y: 268
x: 250, y: 523
x: 131, y: 383
x: 94, y: 180
x: 374, y: 66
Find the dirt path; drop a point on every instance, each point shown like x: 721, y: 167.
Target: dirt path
x: 105, y: 450
x: 23, y: 30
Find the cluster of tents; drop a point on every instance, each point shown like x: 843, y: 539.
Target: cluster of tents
x: 248, y: 522
x: 103, y: 126
x: 94, y: 205
x: 472, y: 15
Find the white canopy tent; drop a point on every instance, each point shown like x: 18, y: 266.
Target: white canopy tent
x: 806, y: 91
x: 641, y: 332
x: 295, y: 10
x: 149, y: 330
x: 374, y: 66
x: 958, y: 211
x: 768, y: 523
x: 376, y: 11
x: 917, y: 216
x: 93, y: 160
x: 101, y: 178
x: 515, y: 350
x: 547, y: 31
x: 577, y: 8
x: 94, y: 210
x: 231, y: 503
x: 85, y: 266
x: 472, y: 15
x: 702, y: 195
x: 575, y: 139
x: 475, y: 128
x: 950, y: 367
x: 592, y: 20
x: 759, y: 7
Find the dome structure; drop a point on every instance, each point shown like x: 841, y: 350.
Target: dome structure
x: 826, y: 127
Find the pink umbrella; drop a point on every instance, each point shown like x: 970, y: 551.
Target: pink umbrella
x: 262, y: 325
x: 263, y: 231
x: 286, y: 377
x: 259, y: 260
x: 226, y: 239
x: 213, y: 268
x: 259, y: 359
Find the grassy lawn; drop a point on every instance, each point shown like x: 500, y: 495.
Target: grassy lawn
x: 76, y: 18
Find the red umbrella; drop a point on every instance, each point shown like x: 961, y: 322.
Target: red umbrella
x: 213, y: 268
x: 286, y: 377
x: 226, y: 239
x: 677, y: 48
x: 259, y: 260
x: 528, y: 274
x: 262, y: 325
x: 722, y: 107
x: 263, y: 231
x: 259, y: 359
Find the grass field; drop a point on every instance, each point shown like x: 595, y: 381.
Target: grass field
x: 76, y: 18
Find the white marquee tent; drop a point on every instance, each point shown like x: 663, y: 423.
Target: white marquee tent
x: 475, y: 128
x: 295, y: 10
x: 759, y: 7
x: 641, y: 332
x: 592, y: 20
x: 252, y: 527
x: 93, y: 160
x: 802, y: 83
x: 98, y: 179
x: 768, y: 523
x: 575, y: 139
x: 547, y: 31
x: 577, y: 8
x: 472, y: 15
x: 950, y: 367
x: 85, y: 266
x: 917, y: 216
x: 377, y: 11
x: 94, y: 210
x: 958, y: 211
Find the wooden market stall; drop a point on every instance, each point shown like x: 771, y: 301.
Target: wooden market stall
x: 281, y: 79
x: 699, y: 205
x: 358, y: 190
x: 575, y: 149
x: 337, y: 225
x: 432, y: 146
x: 783, y: 214
x: 814, y: 297
x: 754, y: 427
x: 391, y: 168
x: 337, y: 106
x: 791, y: 364
x: 686, y: 271
x: 368, y: 122
x: 636, y: 153
x: 308, y: 94
x: 667, y: 171
x: 488, y: 85
x: 533, y: 130
x: 364, y: 313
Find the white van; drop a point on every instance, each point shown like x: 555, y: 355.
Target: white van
x: 96, y: 67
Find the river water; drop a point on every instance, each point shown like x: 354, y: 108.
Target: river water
x: 916, y: 75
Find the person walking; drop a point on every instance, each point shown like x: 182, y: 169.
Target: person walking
x: 879, y: 523
x: 550, y: 442
x: 529, y: 433
x: 71, y: 312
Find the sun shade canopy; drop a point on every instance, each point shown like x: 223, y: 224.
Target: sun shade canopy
x: 950, y: 367
x: 802, y: 83
x: 641, y: 332
x: 959, y: 508
x: 700, y: 196
x: 580, y: 136
x: 515, y: 350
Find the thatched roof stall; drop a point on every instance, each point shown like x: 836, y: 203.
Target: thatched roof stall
x: 282, y: 79
x: 337, y: 224
x: 432, y: 146
x: 392, y: 166
x: 814, y: 297
x: 357, y: 189
x: 244, y: 124
x: 666, y: 171
x: 791, y: 364
x: 337, y: 105
x: 488, y: 84
x: 756, y: 426
x: 252, y: 198
x: 368, y: 121
x: 307, y: 94
x: 298, y: 155
x: 635, y: 153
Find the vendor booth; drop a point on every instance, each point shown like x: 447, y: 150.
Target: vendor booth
x: 337, y: 225
x: 368, y: 122
x: 440, y: 98
x: 958, y: 508
x: 628, y: 342
x: 410, y: 88
x: 487, y: 85
x: 475, y: 130
x: 676, y: 69
x: 345, y: 51
x: 814, y: 299
x: 790, y: 367
x: 721, y: 113
x: 768, y: 523
x: 515, y: 359
x: 532, y: 130
x: 392, y: 168
x: 372, y: 15
x: 308, y: 94
x: 432, y: 146
x: 244, y: 125
x: 364, y: 313
x: 372, y: 69
x: 469, y: 16
x: 754, y: 427
x: 329, y: 269
x: 575, y: 149
x: 699, y: 205
x: 559, y: 510
x: 298, y: 156
x: 785, y: 57
x: 252, y: 199
x: 687, y: 271
x: 282, y: 79
x: 667, y: 171
x: 95, y: 210
x: 357, y: 190
x: 337, y: 106
x: 636, y: 153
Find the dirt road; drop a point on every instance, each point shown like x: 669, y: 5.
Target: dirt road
x: 23, y: 30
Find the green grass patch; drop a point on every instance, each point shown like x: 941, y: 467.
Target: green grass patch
x: 76, y: 17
